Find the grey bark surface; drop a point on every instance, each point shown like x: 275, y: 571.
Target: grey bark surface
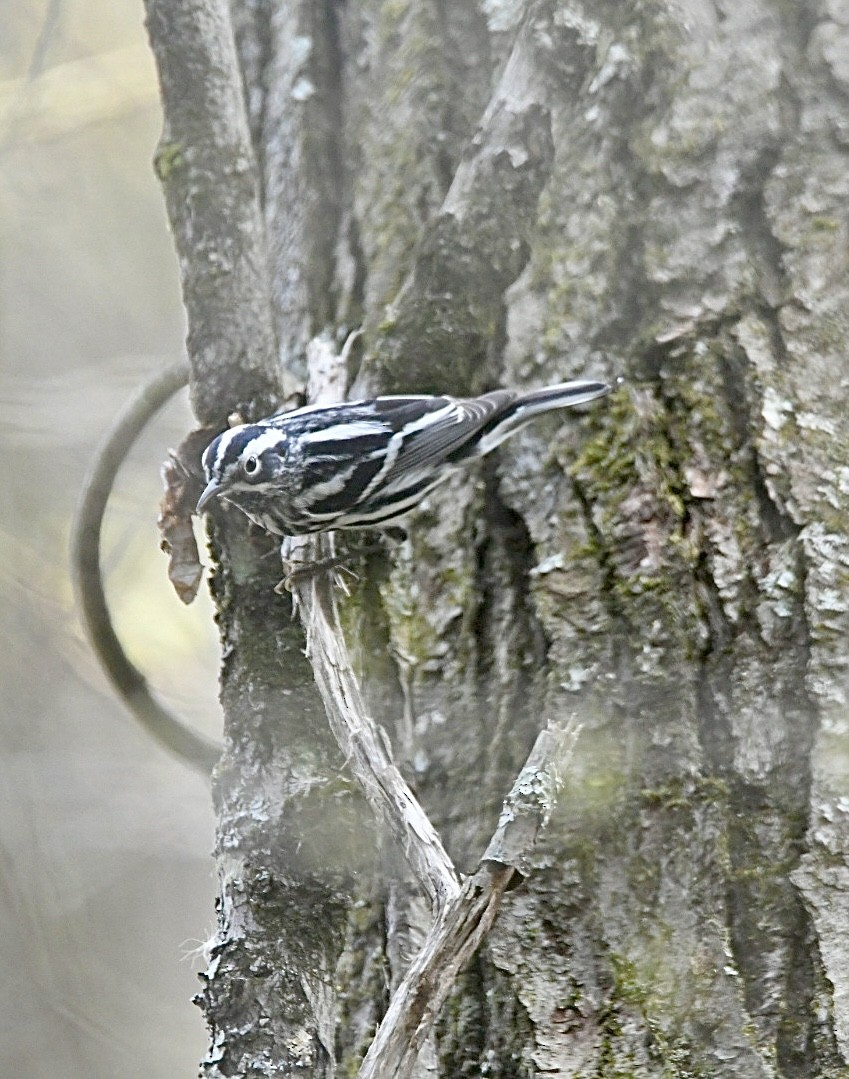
x: 518, y: 193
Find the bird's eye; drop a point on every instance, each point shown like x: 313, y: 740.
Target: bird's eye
x: 251, y: 466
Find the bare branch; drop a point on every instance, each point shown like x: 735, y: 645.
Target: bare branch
x: 529, y: 804
x: 364, y: 744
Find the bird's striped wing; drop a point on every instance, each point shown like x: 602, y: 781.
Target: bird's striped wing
x: 387, y: 454
x: 426, y: 440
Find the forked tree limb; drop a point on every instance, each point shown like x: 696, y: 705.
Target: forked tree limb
x: 455, y: 937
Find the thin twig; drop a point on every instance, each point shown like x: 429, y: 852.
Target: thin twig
x: 129, y: 683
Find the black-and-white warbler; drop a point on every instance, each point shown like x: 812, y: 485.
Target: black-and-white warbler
x: 363, y: 464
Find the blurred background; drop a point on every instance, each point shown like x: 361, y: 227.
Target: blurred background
x: 107, y: 880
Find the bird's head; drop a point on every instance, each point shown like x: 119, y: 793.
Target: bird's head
x: 241, y: 464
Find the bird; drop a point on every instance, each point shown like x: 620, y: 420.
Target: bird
x: 365, y: 464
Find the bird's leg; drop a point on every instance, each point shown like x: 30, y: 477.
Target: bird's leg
x: 299, y: 570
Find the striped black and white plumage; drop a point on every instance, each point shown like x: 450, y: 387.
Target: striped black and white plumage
x: 363, y: 464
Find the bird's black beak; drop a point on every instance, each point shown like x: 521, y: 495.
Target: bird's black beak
x: 212, y: 490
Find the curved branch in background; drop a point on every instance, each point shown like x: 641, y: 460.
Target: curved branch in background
x: 129, y: 683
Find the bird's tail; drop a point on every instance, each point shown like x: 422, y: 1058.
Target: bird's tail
x: 525, y: 406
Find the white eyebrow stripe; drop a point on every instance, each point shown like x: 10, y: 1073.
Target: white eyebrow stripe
x: 224, y: 442
x: 339, y: 431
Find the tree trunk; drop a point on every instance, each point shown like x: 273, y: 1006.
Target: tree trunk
x: 519, y: 193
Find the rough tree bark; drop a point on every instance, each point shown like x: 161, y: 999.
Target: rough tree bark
x: 515, y: 193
